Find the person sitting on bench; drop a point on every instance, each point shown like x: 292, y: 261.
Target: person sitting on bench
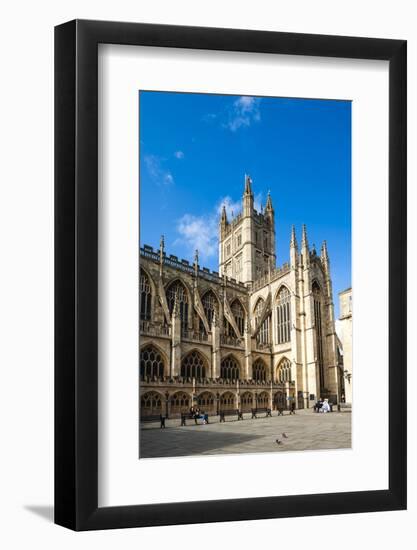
x: 318, y: 405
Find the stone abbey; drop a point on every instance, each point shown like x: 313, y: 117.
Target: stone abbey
x: 250, y: 335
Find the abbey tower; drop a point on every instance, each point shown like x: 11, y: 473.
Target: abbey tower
x: 247, y: 242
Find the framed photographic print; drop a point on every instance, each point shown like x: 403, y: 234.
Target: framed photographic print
x: 230, y: 338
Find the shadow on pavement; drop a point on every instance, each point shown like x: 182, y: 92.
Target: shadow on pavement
x: 176, y: 442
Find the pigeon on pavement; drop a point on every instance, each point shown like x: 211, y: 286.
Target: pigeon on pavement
x: 278, y: 441
x: 285, y: 435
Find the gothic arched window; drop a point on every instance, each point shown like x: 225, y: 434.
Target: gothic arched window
x: 193, y: 365
x: 151, y: 363
x: 262, y: 400
x: 239, y: 315
x: 229, y: 369
x: 210, y: 305
x: 246, y: 402
x: 145, y: 297
x: 259, y: 371
x: 150, y: 403
x: 283, y: 315
x: 180, y: 403
x: 263, y: 333
x: 284, y: 370
x: 227, y: 401
x: 177, y: 290
x: 207, y: 402
x: 317, y: 301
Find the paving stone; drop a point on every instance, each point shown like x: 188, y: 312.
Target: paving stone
x: 306, y: 431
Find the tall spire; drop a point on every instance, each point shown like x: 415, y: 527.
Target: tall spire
x: 324, y: 253
x: 248, y: 185
x: 196, y: 265
x: 305, y: 252
x: 223, y: 223
x: 293, y: 243
x: 224, y: 215
x: 161, y: 254
x: 293, y: 249
x: 304, y: 240
x: 268, y: 206
x: 325, y: 257
x: 247, y: 209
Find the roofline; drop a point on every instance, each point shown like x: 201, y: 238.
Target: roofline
x: 346, y: 290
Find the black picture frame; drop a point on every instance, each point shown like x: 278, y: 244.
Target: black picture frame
x: 76, y: 272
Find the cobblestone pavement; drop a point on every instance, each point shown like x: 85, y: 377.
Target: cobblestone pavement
x: 305, y: 430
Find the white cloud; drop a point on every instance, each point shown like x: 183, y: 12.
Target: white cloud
x: 232, y: 207
x: 202, y: 232
x: 209, y: 117
x: 179, y: 155
x: 257, y: 202
x: 198, y: 233
x: 156, y: 171
x: 244, y: 112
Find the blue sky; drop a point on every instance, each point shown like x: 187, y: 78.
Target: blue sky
x: 196, y: 148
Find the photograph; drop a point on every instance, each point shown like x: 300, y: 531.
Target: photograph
x: 214, y: 207
x: 245, y: 292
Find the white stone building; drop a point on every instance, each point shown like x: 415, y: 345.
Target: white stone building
x: 345, y: 320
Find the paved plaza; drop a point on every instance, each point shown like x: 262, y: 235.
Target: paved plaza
x: 305, y: 430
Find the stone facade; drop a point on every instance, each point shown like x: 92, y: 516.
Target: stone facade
x: 250, y: 335
x: 345, y: 301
